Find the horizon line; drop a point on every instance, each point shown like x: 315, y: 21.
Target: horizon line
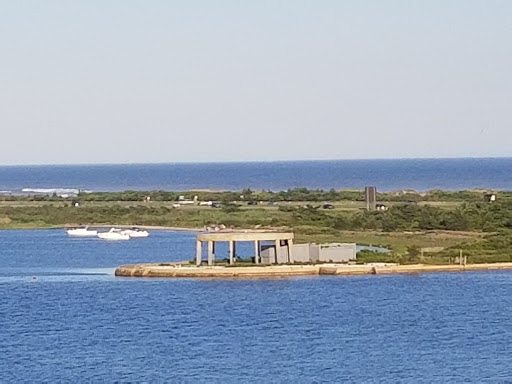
x: 256, y: 161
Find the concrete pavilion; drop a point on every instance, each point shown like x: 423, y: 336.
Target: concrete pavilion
x: 279, y: 239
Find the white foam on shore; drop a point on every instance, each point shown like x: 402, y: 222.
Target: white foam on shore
x: 58, y: 191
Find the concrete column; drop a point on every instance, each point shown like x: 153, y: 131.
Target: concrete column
x: 231, y: 251
x: 278, y: 250
x: 289, y: 242
x: 211, y: 255
x: 199, y: 250
x: 256, y: 252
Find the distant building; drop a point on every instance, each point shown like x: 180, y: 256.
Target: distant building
x: 370, y: 197
x: 309, y: 253
x: 381, y: 207
x: 183, y: 201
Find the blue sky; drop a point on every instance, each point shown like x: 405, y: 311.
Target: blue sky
x: 176, y: 81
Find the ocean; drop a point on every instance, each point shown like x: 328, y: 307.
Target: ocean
x: 66, y: 318
x: 386, y: 175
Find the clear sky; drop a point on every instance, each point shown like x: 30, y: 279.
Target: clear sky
x: 102, y: 81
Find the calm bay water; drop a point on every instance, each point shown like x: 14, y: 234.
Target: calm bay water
x: 418, y: 174
x: 77, y: 322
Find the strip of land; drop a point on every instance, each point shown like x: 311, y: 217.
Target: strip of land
x: 433, y: 227
x: 180, y: 270
x: 147, y: 227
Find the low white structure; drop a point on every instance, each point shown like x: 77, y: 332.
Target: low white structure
x: 309, y: 253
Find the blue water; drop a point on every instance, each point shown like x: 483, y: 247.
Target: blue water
x: 78, y: 323
x: 423, y: 174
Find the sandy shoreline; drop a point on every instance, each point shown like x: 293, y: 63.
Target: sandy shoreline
x: 122, y: 226
x: 147, y: 227
x: 180, y: 270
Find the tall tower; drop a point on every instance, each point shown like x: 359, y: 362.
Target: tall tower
x: 370, y: 197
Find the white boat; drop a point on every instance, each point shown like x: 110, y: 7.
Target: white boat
x: 135, y: 232
x: 113, y: 234
x: 81, y: 232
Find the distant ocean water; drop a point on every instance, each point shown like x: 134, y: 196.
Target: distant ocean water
x: 386, y: 175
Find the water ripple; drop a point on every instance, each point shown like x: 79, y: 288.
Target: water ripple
x: 80, y: 323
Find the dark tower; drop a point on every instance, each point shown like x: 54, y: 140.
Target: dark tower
x: 370, y: 197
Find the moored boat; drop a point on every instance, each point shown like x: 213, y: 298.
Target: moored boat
x: 82, y: 232
x: 135, y: 232
x: 113, y: 234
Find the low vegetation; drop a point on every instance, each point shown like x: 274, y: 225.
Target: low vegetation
x: 430, y: 227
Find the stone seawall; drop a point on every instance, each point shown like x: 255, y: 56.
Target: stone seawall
x: 415, y: 268
x: 176, y: 270
x: 158, y: 270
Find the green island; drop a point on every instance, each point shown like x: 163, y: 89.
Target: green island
x: 429, y: 228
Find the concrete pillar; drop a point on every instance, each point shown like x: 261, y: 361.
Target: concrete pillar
x: 211, y: 255
x: 199, y: 250
x: 256, y: 252
x: 231, y: 251
x: 289, y: 242
x: 278, y: 250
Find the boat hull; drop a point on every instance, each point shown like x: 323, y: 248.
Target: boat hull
x: 135, y: 234
x: 113, y: 236
x: 81, y: 233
